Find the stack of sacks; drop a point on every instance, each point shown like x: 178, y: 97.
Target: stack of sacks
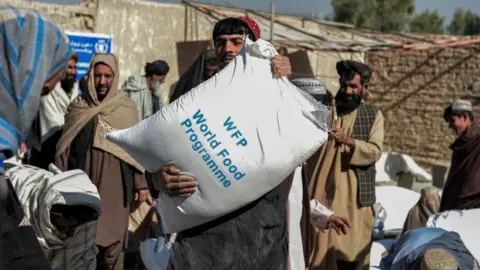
x: 239, y: 134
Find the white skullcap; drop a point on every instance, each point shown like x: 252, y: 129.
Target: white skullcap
x: 462, y: 105
x: 311, y: 85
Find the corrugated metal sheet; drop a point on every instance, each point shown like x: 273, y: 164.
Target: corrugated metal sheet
x: 332, y: 36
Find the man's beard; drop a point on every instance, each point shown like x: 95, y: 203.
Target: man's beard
x: 68, y: 83
x: 160, y: 91
x: 346, y: 103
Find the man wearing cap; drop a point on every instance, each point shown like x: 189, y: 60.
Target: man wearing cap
x: 316, y: 88
x: 462, y: 188
x: 255, y: 236
x: 342, y: 173
x: 147, y: 91
x: 48, y: 127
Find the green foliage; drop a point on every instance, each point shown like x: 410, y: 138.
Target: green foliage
x: 427, y: 22
x: 382, y: 15
x: 464, y: 23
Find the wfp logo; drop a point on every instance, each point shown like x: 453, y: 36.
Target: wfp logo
x: 101, y: 46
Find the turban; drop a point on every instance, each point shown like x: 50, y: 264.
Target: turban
x: 345, y: 66
x: 158, y: 67
x: 252, y: 25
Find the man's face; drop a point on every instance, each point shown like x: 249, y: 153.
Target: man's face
x: 103, y: 78
x: 159, y: 78
x: 350, y: 94
x: 352, y: 87
x: 227, y: 47
x: 458, y: 124
x: 71, y: 69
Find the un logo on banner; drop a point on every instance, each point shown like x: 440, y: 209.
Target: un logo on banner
x: 101, y: 46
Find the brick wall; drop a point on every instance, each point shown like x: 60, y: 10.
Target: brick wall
x: 413, y: 89
x: 79, y: 18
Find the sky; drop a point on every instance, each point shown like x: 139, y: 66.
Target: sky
x: 323, y: 7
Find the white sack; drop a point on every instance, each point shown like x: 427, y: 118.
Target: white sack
x: 463, y: 222
x: 390, y: 165
x: 397, y: 202
x: 240, y: 134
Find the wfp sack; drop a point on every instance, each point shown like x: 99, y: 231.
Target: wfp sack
x: 239, y: 134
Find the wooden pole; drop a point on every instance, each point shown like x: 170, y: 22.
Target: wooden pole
x: 272, y: 18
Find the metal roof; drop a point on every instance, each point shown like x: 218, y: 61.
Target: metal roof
x: 330, y: 36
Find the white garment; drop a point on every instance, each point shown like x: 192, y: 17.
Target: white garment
x: 53, y: 108
x: 319, y: 215
x: 295, y: 206
x: 37, y: 191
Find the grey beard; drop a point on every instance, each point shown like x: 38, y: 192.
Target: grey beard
x: 162, y: 92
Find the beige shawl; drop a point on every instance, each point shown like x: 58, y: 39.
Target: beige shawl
x: 428, y: 205
x: 115, y: 111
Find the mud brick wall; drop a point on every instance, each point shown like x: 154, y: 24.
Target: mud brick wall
x: 413, y: 88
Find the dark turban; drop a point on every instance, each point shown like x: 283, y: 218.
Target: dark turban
x: 345, y: 67
x: 158, y: 67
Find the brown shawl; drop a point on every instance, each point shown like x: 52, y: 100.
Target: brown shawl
x: 116, y: 111
x: 462, y: 188
x: 428, y: 205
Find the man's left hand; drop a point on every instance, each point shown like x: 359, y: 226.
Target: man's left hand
x: 343, y: 137
x: 141, y: 195
x: 281, y: 66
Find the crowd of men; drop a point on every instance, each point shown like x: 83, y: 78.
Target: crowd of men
x: 71, y: 118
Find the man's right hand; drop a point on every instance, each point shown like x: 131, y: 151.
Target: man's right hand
x: 176, y: 184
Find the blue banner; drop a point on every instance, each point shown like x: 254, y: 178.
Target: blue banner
x: 86, y: 45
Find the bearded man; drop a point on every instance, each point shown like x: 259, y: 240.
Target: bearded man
x: 48, y: 126
x: 342, y: 173
x: 118, y: 177
x: 255, y: 236
x: 148, y: 91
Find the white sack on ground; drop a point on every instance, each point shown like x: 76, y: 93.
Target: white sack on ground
x: 240, y: 133
x: 397, y: 202
x: 390, y: 165
x: 38, y: 190
x: 463, y: 222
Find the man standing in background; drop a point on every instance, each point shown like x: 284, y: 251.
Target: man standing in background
x: 118, y: 177
x: 204, y: 67
x: 148, y: 92
x: 51, y: 117
x: 462, y: 188
x: 342, y: 173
